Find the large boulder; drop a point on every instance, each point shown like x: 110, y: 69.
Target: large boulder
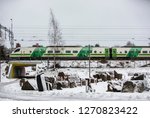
x: 61, y: 76
x: 138, y: 77
x: 103, y: 76
x: 114, y: 86
x: 140, y: 87
x: 147, y: 83
x: 27, y: 86
x: 83, y: 82
x: 128, y: 86
x: 97, y: 76
x: 117, y: 75
x: 65, y: 84
x: 72, y: 84
x: 59, y: 86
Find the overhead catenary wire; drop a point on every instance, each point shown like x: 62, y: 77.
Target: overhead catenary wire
x: 84, y: 33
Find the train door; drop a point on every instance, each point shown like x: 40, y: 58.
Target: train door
x: 106, y: 52
x: 114, y: 52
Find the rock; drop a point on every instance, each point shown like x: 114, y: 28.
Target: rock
x: 96, y: 76
x: 136, y: 74
x: 83, y: 82
x: 147, y: 83
x: 117, y: 75
x: 65, y: 84
x: 61, y: 76
x: 114, y: 87
x: 128, y: 86
x: 59, y: 86
x: 121, y: 63
x: 103, y: 76
x: 27, y: 86
x: 92, y: 80
x: 72, y: 85
x: 140, y: 77
x: 139, y: 87
x: 109, y: 77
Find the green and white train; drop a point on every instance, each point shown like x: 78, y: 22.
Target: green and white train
x: 79, y: 52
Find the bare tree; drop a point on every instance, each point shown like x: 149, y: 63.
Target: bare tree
x: 55, y: 35
x: 2, y: 39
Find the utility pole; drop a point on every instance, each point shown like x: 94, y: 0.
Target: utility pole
x: 11, y: 36
x: 89, y: 62
x: 0, y: 31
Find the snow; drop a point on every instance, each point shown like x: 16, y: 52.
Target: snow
x: 11, y: 90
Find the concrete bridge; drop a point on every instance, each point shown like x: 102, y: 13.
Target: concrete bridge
x: 17, y: 68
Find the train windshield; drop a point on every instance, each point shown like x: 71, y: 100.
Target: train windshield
x: 17, y: 50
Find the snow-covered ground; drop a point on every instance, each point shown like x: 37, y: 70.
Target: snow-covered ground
x: 11, y: 90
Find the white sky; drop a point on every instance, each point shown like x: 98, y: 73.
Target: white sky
x: 107, y: 22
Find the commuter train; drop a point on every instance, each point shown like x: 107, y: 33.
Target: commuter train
x: 79, y: 52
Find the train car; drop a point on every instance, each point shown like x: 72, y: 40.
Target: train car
x: 28, y: 52
x: 135, y: 52
x: 60, y: 52
x: 76, y: 52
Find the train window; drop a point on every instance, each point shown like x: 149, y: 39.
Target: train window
x: 68, y: 51
x: 144, y: 51
x: 120, y: 52
x: 95, y: 51
x: 30, y: 51
x: 50, y: 51
x: 75, y: 51
x: 100, y: 52
x: 17, y: 50
x: 139, y: 51
x: 57, y: 51
x: 149, y: 51
x: 125, y: 51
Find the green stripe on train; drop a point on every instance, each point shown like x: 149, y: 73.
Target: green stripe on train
x: 134, y: 52
x: 38, y: 52
x: 84, y: 52
x: 20, y: 55
x: 58, y: 54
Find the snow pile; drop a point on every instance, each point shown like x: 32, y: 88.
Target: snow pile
x: 11, y: 90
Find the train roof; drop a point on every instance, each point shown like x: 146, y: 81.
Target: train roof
x: 66, y: 46
x: 136, y: 46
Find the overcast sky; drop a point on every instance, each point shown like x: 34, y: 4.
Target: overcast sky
x: 107, y: 22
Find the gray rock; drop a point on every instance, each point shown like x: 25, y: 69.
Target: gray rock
x: 65, y: 84
x: 117, y: 75
x: 140, y: 77
x: 72, y: 84
x: 59, y: 86
x: 128, y: 86
x: 27, y: 86
x: 139, y: 87
x: 114, y: 87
